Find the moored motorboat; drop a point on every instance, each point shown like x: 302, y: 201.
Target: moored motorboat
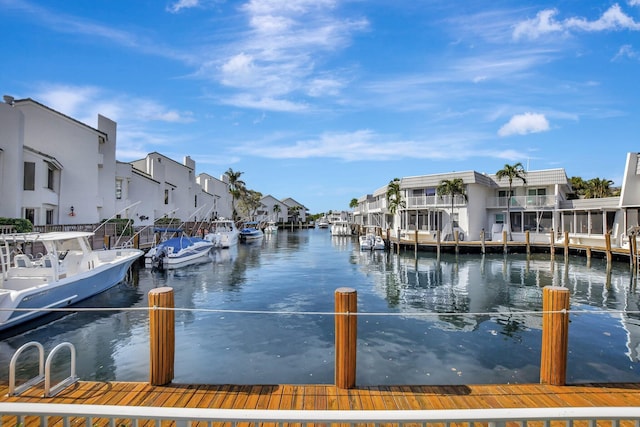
x: 340, y: 228
x: 271, y: 228
x: 178, y: 252
x: 223, y: 233
x: 366, y: 242
x: 250, y: 232
x: 68, y: 271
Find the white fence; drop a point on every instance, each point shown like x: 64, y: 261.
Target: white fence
x: 90, y: 415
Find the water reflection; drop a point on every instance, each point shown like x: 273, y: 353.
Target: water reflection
x: 254, y: 314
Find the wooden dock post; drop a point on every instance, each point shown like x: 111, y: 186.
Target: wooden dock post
x: 633, y: 253
x: 346, y: 302
x: 415, y: 248
x: 136, y: 241
x: 504, y: 241
x: 107, y: 241
x: 555, y: 335
x: 552, y: 244
x: 566, y: 245
x: 398, y: 248
x: 161, y: 335
x: 607, y: 243
x: 456, y: 239
x: 438, y: 244
x: 484, y: 250
x: 527, y: 241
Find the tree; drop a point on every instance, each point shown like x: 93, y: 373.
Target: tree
x: 511, y: 172
x: 250, y: 203
x: 394, y: 196
x: 598, y: 188
x: 236, y: 187
x: 452, y: 188
x: 294, y: 212
x: 353, y: 203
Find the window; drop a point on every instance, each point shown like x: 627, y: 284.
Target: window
x: 30, y: 214
x: 499, y: 218
x: 118, y: 189
x: 50, y: 175
x: 29, y: 176
x: 49, y: 217
x: 166, y: 196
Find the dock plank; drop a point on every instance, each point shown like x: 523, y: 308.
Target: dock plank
x: 329, y: 397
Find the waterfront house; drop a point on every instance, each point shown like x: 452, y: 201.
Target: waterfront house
x: 55, y: 169
x: 544, y: 204
x: 269, y: 212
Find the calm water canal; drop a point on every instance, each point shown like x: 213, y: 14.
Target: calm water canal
x: 257, y: 314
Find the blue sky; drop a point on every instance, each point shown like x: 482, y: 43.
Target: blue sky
x: 328, y: 100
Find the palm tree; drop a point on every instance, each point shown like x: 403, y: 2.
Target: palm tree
x: 394, y: 197
x: 598, y: 188
x: 236, y: 188
x: 353, y: 203
x: 276, y: 211
x: 452, y: 188
x: 511, y: 172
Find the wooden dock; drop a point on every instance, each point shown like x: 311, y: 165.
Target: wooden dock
x: 329, y: 397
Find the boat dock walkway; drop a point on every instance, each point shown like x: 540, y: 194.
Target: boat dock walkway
x: 330, y: 397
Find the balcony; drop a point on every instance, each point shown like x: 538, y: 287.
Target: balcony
x: 423, y: 202
x: 522, y: 202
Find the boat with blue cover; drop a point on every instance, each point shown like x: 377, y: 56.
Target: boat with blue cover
x: 177, y: 252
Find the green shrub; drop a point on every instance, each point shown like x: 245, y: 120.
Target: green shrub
x: 21, y: 225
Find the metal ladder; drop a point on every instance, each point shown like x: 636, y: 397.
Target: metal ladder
x: 44, y: 372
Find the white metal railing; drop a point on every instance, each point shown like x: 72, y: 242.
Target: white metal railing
x: 435, y: 201
x: 16, y: 412
x: 522, y: 202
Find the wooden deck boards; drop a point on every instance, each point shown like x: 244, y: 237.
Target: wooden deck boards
x: 328, y: 397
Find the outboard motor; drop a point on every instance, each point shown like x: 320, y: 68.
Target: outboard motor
x: 158, y: 259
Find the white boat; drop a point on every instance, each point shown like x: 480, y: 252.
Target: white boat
x: 378, y: 243
x: 178, y: 252
x: 271, y: 228
x: 340, y: 228
x: 223, y: 233
x: 366, y: 242
x: 250, y: 232
x: 67, y: 271
x: 323, y: 223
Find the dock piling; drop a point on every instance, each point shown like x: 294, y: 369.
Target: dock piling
x: 346, y: 325
x: 162, y: 335
x: 555, y: 335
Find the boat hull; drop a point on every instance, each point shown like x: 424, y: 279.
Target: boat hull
x: 62, y: 293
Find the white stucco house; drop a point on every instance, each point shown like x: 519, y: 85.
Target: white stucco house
x: 53, y: 168
x: 302, y: 211
x: 57, y: 170
x: 269, y: 211
x: 541, y: 205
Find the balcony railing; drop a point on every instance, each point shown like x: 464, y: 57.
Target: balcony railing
x: 414, y: 202
x: 522, y: 202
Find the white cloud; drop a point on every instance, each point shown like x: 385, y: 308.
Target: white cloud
x: 634, y: 2
x: 182, y: 4
x: 626, y: 51
x: 613, y: 19
x: 523, y: 124
x: 281, y: 52
x: 367, y: 145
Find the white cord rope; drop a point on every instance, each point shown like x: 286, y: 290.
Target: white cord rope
x: 319, y: 313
